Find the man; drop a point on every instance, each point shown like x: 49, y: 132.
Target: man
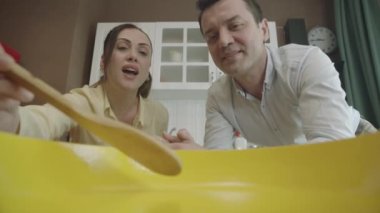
x: 282, y: 96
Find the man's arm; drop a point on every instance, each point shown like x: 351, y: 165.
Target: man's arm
x: 324, y: 111
x: 219, y: 133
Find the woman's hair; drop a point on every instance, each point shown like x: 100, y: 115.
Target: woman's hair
x: 253, y: 6
x: 144, y: 89
x: 109, y: 44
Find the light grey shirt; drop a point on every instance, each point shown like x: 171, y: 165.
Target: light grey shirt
x: 302, y: 101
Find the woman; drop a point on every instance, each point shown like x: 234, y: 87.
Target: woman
x: 120, y: 94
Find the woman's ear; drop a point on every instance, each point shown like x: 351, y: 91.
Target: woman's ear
x: 102, y: 63
x: 102, y: 69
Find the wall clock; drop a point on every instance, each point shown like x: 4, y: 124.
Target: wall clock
x: 323, y: 38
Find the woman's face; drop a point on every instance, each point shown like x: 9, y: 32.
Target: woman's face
x: 130, y: 61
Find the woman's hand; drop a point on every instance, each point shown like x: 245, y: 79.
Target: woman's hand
x: 11, y: 95
x: 9, y: 89
x: 183, y: 140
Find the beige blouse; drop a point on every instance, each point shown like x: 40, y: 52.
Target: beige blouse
x: 45, y: 121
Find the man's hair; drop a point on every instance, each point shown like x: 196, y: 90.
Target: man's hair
x: 252, y: 5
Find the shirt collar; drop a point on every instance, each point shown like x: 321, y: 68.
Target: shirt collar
x: 241, y: 91
x: 269, y: 73
x: 139, y: 119
x: 107, y: 106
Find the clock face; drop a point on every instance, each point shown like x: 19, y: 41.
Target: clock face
x: 323, y: 38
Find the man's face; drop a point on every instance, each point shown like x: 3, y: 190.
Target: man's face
x: 235, y: 40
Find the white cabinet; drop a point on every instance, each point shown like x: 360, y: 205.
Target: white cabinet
x: 182, y: 61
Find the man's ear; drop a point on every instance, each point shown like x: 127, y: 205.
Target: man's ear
x: 264, y: 29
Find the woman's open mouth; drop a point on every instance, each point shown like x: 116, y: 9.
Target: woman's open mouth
x: 130, y: 71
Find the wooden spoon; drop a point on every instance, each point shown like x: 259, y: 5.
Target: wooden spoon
x: 138, y: 145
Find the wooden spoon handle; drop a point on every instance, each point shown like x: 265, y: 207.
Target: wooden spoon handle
x: 41, y: 89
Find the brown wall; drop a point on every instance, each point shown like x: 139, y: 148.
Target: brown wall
x: 315, y: 12
x: 151, y: 10
x: 55, y: 37
x: 42, y: 32
x: 89, y: 13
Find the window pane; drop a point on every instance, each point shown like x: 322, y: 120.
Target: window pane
x: 194, y: 35
x: 172, y: 54
x: 171, y: 74
x: 172, y: 36
x: 197, y: 54
x: 197, y: 74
